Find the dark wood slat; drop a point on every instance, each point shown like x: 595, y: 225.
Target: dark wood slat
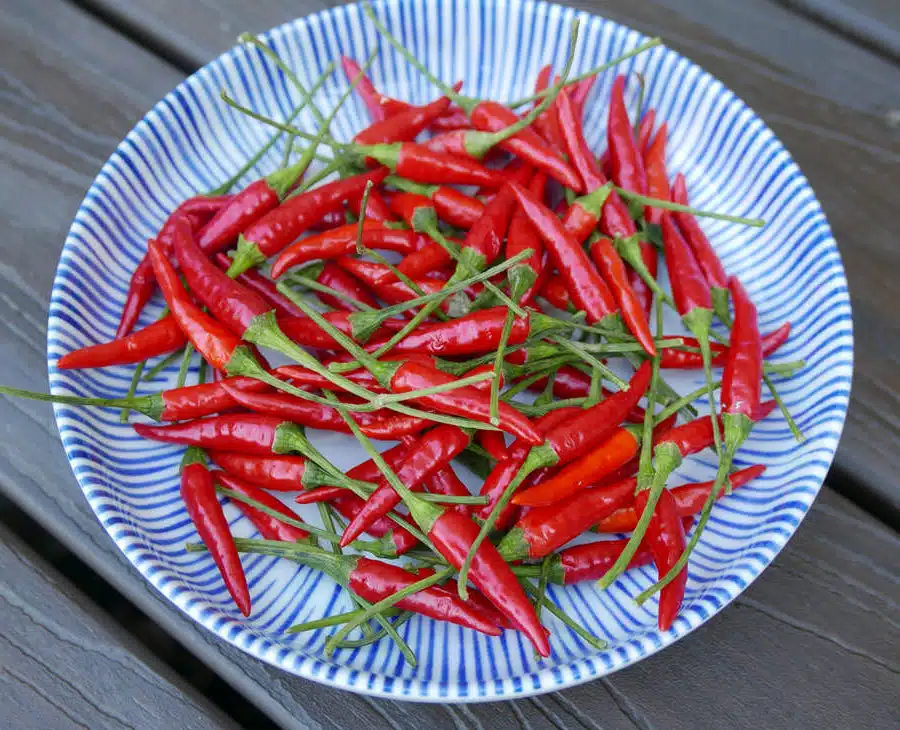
x: 66, y: 664
x: 827, y: 601
x: 873, y: 23
x: 826, y: 97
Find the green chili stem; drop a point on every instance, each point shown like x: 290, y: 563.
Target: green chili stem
x: 498, y: 367
x: 577, y: 628
x: 314, y: 285
x: 132, y: 389
x: 162, y: 365
x: 678, y: 207
x: 576, y: 349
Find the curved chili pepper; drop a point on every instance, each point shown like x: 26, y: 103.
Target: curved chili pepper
x: 196, y: 211
x: 330, y: 220
x: 588, y: 290
x: 430, y: 258
x: 422, y: 164
x: 304, y: 331
x: 379, y: 106
x: 523, y: 277
x: 494, y: 443
x: 383, y: 426
x: 547, y: 124
x: 645, y: 131
x: 264, y: 287
x: 612, y: 269
x: 249, y: 433
x: 342, y: 241
x: 475, y: 333
x: 278, y: 472
x: 339, y: 279
x: 198, y: 491
x: 158, y: 338
x: 554, y: 290
x: 580, y: 93
x: 689, y: 287
x: 665, y: 540
x: 403, y: 126
x: 196, y: 401
x: 657, y: 177
x: 282, y: 225
x: 689, y: 500
x: 672, y: 358
x: 575, y: 144
x: 453, y: 118
x: 540, y: 531
x: 491, y: 116
x: 268, y: 526
x: 215, y: 342
x: 705, y: 254
x: 381, y: 280
x: 451, y: 205
x: 591, y: 561
x: 570, y: 382
x: 445, y: 481
x: 742, y: 377
x: 626, y: 163
x: 611, y: 454
x: 434, y: 450
x: 377, y: 209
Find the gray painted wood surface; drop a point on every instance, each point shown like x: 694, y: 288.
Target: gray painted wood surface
x: 814, y: 642
x: 65, y: 664
x: 833, y: 103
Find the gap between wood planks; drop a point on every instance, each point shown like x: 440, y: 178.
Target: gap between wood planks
x: 119, y: 609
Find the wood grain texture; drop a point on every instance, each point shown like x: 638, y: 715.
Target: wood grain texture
x: 66, y: 664
x: 833, y: 103
x: 814, y: 639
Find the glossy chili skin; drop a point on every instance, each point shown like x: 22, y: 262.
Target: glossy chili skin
x: 277, y: 472
x: 263, y: 287
x: 403, y: 126
x: 342, y: 241
x: 196, y: 212
x: 547, y: 124
x: 589, y: 292
x: 227, y: 300
x: 685, y: 360
x: 270, y: 528
x: 452, y: 535
x: 542, y: 530
x: 467, y: 402
x: 689, y: 288
x: 407, y: 205
x: 614, y: 452
x: 431, y: 257
x: 666, y: 542
x: 375, y: 580
x: 705, y: 254
x: 445, y: 481
x: 592, y: 561
x: 381, y: 426
x: 158, y: 338
x: 626, y: 163
x: 645, y: 131
x: 377, y: 209
x: 304, y: 331
x: 689, y: 500
x: 575, y: 144
x: 196, y: 401
x: 742, y: 376
x: 521, y: 236
x: 198, y: 491
x: 657, y: 175
x: 421, y: 164
x: 212, y: 340
x: 244, y: 209
x: 379, y: 106
x: 491, y: 116
x: 554, y: 290
x: 283, y: 225
x: 341, y: 280
x: 612, y: 269
x: 485, y: 238
x: 249, y: 433
x: 433, y: 451
x: 455, y: 207
x: 381, y: 280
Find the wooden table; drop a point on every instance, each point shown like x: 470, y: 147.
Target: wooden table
x: 815, y: 642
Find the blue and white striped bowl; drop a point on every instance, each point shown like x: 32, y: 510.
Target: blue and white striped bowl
x: 190, y: 142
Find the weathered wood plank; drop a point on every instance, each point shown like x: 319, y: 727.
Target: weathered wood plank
x: 66, y: 664
x: 826, y: 97
x: 69, y: 98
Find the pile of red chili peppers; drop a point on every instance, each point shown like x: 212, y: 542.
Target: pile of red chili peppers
x: 464, y: 253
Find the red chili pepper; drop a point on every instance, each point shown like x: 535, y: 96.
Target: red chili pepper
x: 445, y: 481
x: 689, y: 287
x: 430, y: 258
x: 453, y: 118
x: 264, y: 287
x: 198, y: 490
x: 588, y: 290
x: 330, y: 220
x: 591, y: 561
x: 524, y: 276
x: 269, y: 527
x: 625, y: 158
x: 494, y: 443
x: 377, y: 209
x: 158, y: 338
x: 304, y: 331
x: 611, y: 454
x: 337, y: 278
x: 382, y: 282
x: 420, y: 163
x: 283, y: 225
x: 709, y: 262
x: 434, y: 450
x: 671, y: 358
x: 657, y: 176
x: 383, y: 426
x: 612, y: 269
x: 403, y: 126
x: 196, y: 211
x: 547, y: 124
x: 212, y: 340
x: 743, y: 369
x: 580, y: 93
x: 570, y: 382
x: 196, y: 401
x: 540, y: 531
x: 342, y: 241
x: 689, y: 500
x: 491, y: 116
x: 665, y: 540
x: 645, y: 130
x: 249, y: 433
x: 278, y: 472
x: 379, y: 106
x: 575, y: 144
x: 554, y: 290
